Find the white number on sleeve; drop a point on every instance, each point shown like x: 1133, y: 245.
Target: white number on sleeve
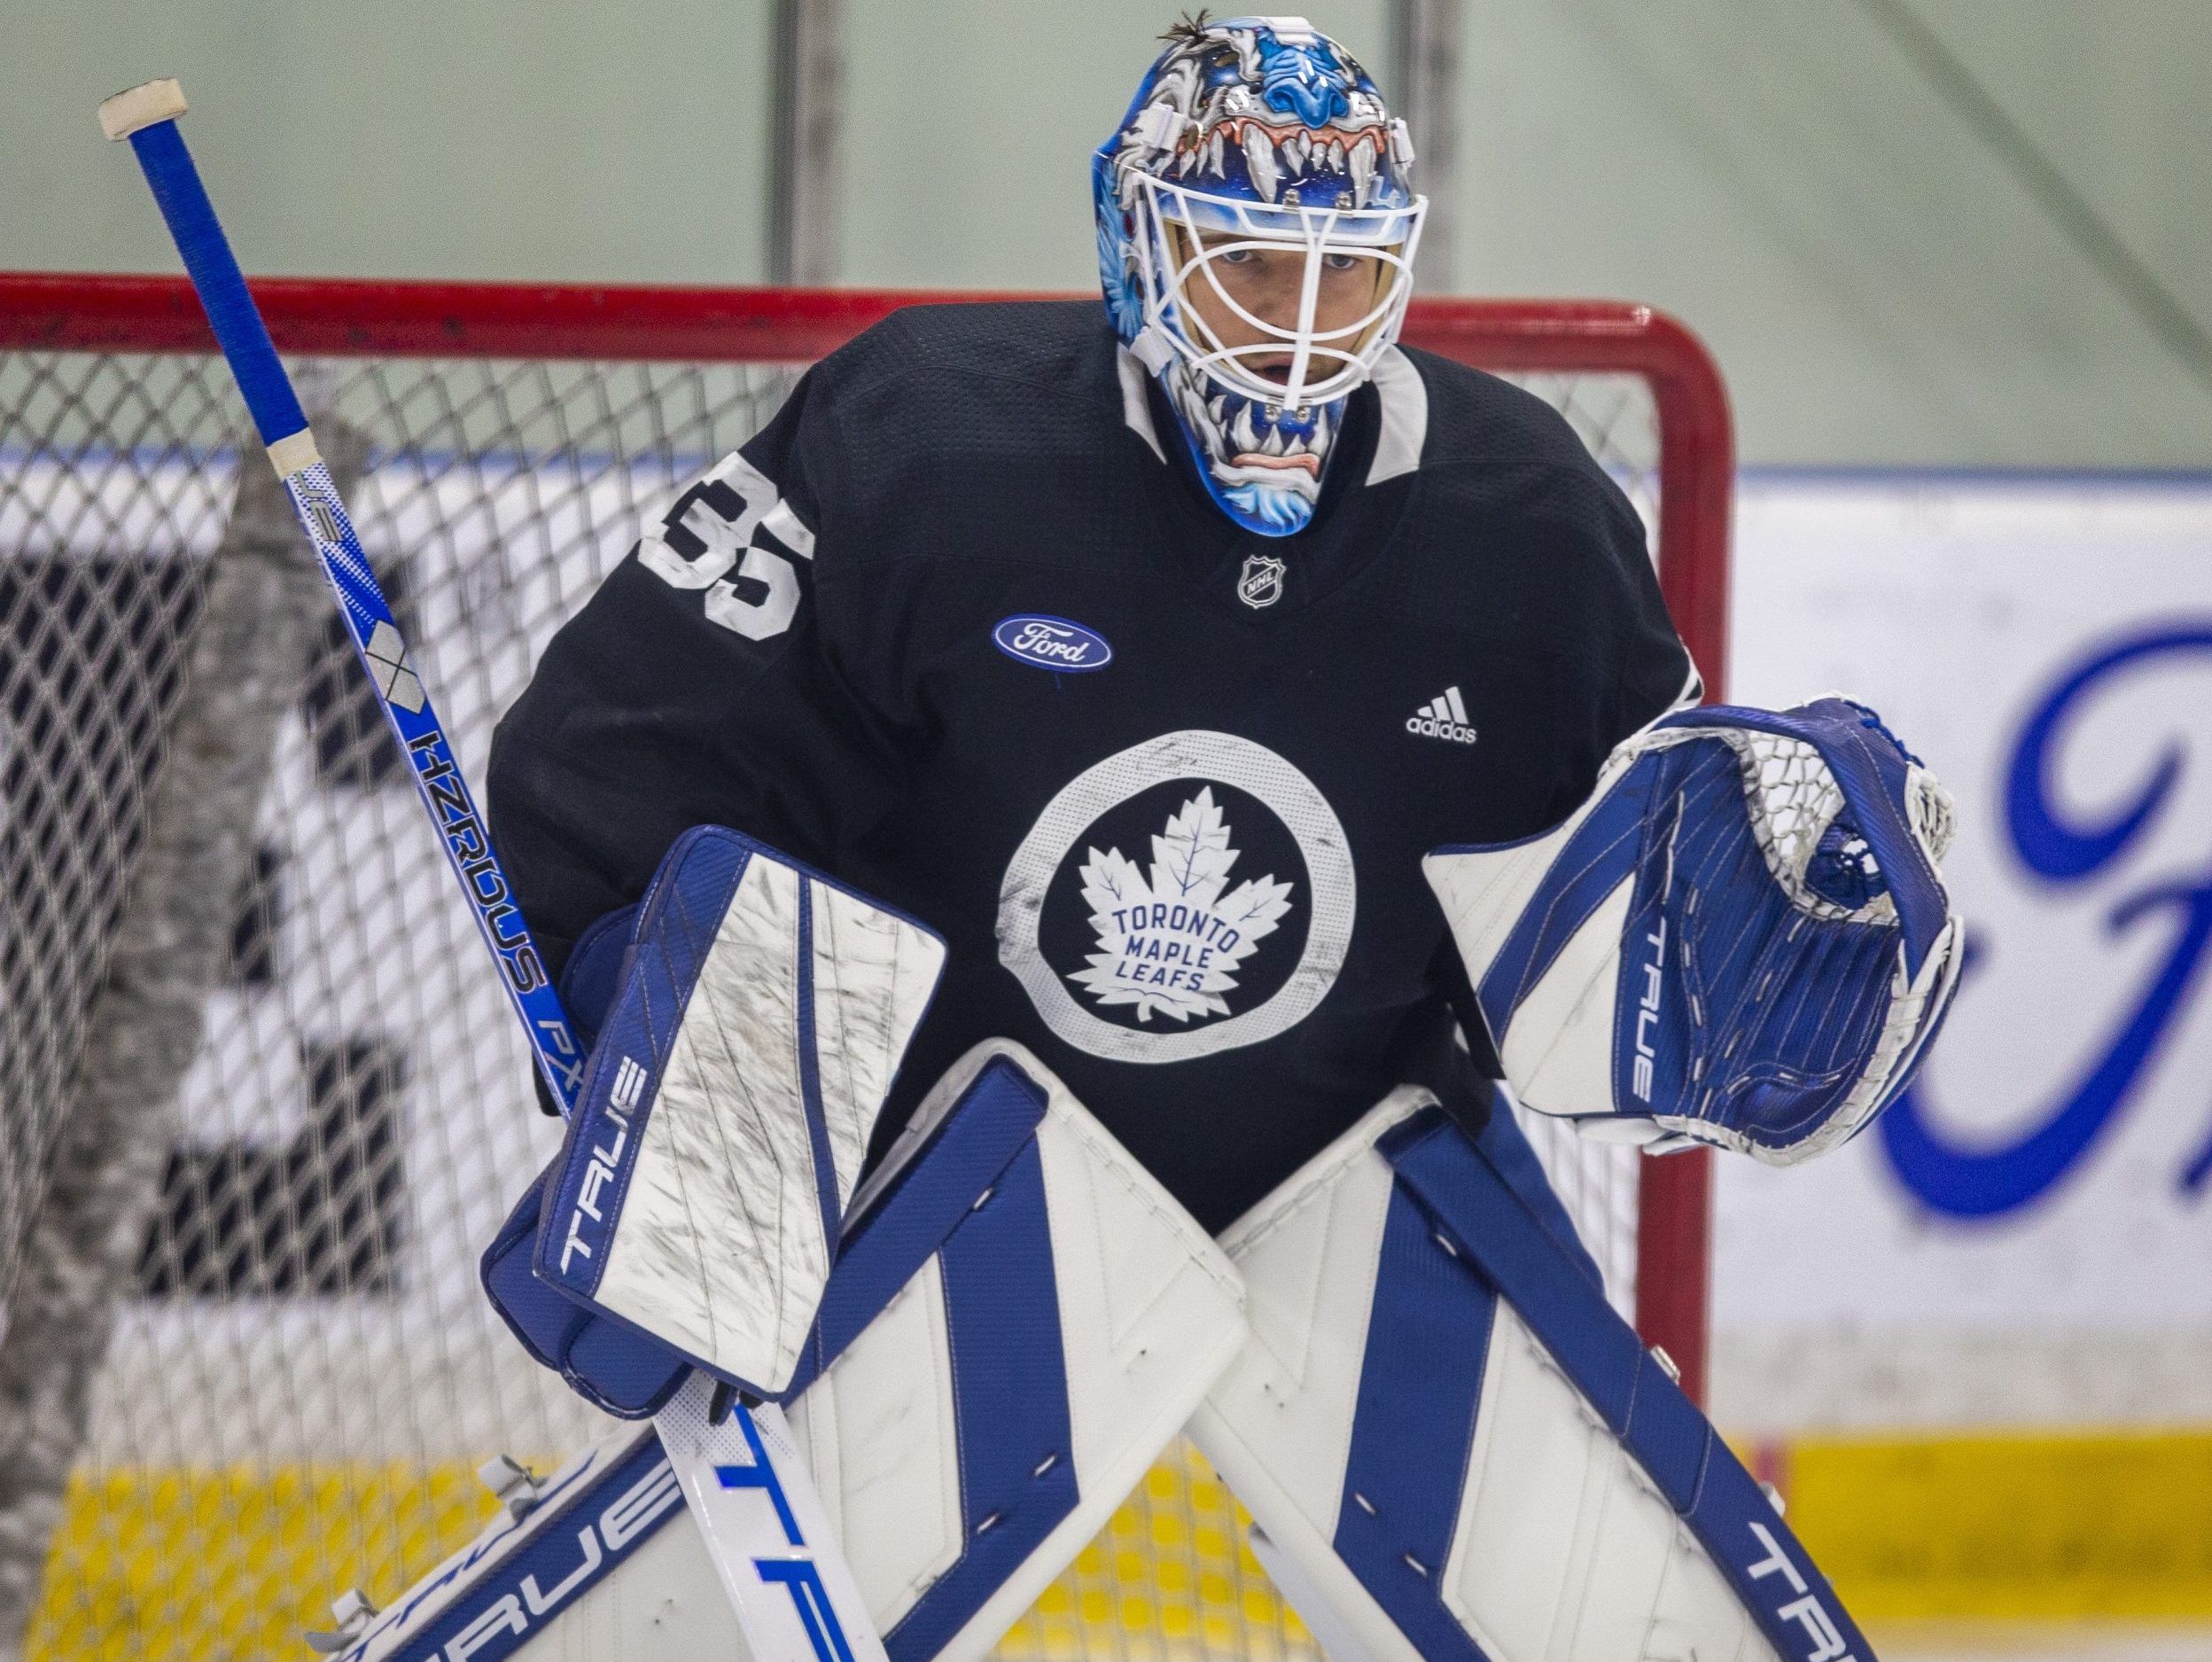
x: 710, y: 529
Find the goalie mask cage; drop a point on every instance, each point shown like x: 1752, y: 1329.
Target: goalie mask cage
x: 261, y: 1100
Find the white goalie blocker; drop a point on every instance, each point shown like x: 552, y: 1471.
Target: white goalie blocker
x: 1455, y: 1451
x: 761, y: 1013
x: 1019, y: 1321
x: 1743, y: 938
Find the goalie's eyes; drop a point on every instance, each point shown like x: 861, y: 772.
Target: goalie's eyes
x: 1246, y: 256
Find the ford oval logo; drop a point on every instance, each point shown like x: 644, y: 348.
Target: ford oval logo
x: 1052, y: 644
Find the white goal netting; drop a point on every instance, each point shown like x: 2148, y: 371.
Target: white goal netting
x: 257, y: 1079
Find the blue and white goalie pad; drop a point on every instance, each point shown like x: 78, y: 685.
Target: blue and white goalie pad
x: 1454, y: 1450
x: 1021, y: 1318
x: 993, y: 1397
x: 1742, y: 937
x: 762, y: 1011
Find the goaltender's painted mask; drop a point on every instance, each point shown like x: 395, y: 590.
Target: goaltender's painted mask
x: 1257, y: 140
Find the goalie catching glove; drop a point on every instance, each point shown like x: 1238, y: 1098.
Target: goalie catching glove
x: 1742, y: 937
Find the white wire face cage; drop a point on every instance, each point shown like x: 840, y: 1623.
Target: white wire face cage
x: 1182, y: 236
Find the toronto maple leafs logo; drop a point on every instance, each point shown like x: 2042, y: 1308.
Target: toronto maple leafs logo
x: 1171, y: 943
x: 1234, y: 931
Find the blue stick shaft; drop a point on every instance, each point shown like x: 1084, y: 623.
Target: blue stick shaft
x: 269, y: 394
x: 214, y: 272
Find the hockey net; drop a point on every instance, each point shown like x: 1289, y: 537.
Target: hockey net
x: 244, y: 1180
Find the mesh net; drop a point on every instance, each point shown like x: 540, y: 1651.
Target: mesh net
x: 1793, y: 804
x: 303, y: 1374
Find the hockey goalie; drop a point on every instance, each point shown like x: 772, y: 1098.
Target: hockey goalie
x: 1062, y: 846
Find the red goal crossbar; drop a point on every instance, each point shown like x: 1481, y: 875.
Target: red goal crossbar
x: 79, y: 313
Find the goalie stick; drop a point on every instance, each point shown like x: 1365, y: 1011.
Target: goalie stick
x: 794, y: 1596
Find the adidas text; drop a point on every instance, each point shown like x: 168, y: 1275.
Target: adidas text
x: 1444, y: 717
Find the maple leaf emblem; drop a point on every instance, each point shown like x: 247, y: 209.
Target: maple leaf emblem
x: 1172, y: 943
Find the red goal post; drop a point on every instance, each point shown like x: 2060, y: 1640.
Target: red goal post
x: 1694, y: 469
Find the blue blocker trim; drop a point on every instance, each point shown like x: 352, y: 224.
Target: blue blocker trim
x: 214, y: 270
x: 674, y: 932
x: 1502, y: 1243
x: 541, y: 1318
x: 1017, y: 1478
x: 592, y: 977
x: 1421, y: 1383
x: 629, y: 1373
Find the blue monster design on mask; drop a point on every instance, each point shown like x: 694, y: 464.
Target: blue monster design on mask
x: 1262, y: 131
x: 1294, y: 78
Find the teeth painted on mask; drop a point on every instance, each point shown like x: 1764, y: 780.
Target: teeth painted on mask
x: 1215, y: 151
x: 1319, y: 441
x: 1336, y: 158
x: 1273, y: 444
x: 1185, y: 162
x: 1219, y: 410
x: 1259, y: 156
x: 1243, y: 435
x: 1362, y: 172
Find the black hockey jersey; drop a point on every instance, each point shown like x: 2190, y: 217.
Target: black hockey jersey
x: 959, y: 626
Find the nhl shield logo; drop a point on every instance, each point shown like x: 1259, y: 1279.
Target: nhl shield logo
x: 1261, y: 582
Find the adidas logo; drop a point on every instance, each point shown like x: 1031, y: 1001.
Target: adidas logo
x: 1443, y: 718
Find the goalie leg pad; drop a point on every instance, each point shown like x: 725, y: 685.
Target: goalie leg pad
x: 762, y: 1011
x: 1445, y: 1429
x: 588, y: 1568
x: 1019, y: 1382
x: 1020, y: 1321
